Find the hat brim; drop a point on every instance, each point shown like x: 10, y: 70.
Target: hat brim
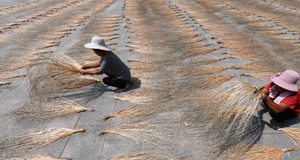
x: 95, y: 46
x: 283, y: 84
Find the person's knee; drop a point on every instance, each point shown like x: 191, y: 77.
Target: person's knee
x: 106, y: 80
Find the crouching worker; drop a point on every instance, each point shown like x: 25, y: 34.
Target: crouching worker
x: 282, y: 97
x: 110, y: 64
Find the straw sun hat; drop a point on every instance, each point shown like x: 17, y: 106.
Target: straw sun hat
x: 97, y: 43
x: 287, y: 80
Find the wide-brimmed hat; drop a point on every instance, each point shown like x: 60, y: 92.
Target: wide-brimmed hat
x: 287, y: 80
x: 97, y: 43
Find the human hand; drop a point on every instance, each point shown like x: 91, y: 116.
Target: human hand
x: 264, y: 96
x: 82, y: 71
x: 276, y: 75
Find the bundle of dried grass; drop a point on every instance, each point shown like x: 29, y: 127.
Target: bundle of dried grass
x: 4, y: 83
x: 293, y: 134
x: 47, y: 110
x: 18, y: 145
x: 240, y: 152
x: 144, y: 110
x: 7, y: 75
x: 149, y: 155
x: 56, y: 74
x: 265, y: 76
x: 144, y: 96
x: 35, y: 157
x: 243, y: 98
x: 159, y: 131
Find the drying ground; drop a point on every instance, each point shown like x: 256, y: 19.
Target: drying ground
x: 199, y: 63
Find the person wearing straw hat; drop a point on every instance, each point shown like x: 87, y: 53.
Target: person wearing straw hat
x: 109, y: 63
x: 282, y: 97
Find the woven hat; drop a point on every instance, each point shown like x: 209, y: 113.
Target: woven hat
x: 287, y: 80
x: 97, y: 43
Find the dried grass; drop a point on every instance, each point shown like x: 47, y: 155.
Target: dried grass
x: 293, y: 134
x: 246, y: 99
x: 158, y: 132
x: 4, y: 83
x: 35, y: 157
x: 149, y: 155
x: 141, y: 111
x: 7, y: 75
x: 56, y: 74
x: 47, y: 110
x: 199, y: 51
x: 240, y: 152
x: 18, y: 145
x: 265, y: 76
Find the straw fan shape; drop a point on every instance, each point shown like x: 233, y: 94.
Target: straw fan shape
x: 243, y: 152
x: 35, y: 157
x: 18, y: 145
x: 56, y: 74
x: 236, y: 112
x: 47, y: 109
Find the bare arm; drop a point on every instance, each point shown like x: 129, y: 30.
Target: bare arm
x: 275, y: 107
x: 91, y: 65
x: 91, y: 71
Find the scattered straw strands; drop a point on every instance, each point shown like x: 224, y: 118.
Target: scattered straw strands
x: 48, y: 110
x: 149, y: 155
x: 245, y: 99
x: 35, y: 157
x: 293, y: 134
x: 13, y: 146
x: 58, y: 73
x: 7, y: 75
x: 256, y: 152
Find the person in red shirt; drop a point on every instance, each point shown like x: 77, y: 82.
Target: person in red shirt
x: 282, y: 96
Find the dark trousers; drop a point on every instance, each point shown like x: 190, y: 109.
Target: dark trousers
x: 113, y: 81
x: 280, y: 117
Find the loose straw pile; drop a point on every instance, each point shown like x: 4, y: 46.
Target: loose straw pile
x: 14, y: 146
x: 7, y: 75
x: 59, y: 73
x: 158, y: 132
x: 149, y: 155
x: 293, y: 134
x: 48, y: 110
x: 255, y: 152
x: 242, y: 103
x: 35, y: 157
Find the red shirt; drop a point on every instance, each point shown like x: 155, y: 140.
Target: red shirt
x: 292, y: 101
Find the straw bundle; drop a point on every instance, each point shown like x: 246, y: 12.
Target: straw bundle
x: 265, y: 76
x: 255, y: 152
x: 35, y: 157
x: 7, y: 75
x: 4, y: 83
x: 245, y: 99
x: 48, y: 110
x: 157, y: 132
x: 16, y: 145
x: 143, y: 96
x: 149, y: 155
x: 293, y: 134
x: 141, y: 110
x: 198, y: 51
x: 55, y: 74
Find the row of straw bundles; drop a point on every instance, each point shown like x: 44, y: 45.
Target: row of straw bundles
x: 56, y: 74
